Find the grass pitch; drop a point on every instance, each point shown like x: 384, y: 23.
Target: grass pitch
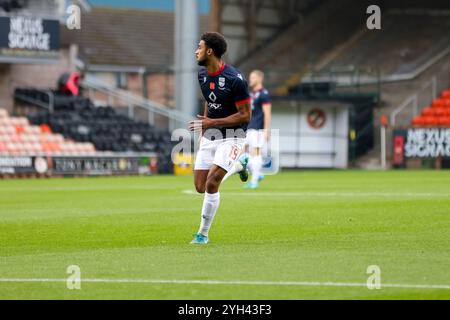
x: 302, y: 235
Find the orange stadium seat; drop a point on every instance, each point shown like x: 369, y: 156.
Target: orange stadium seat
x: 20, y: 129
x: 438, y: 103
x: 438, y: 114
x: 45, y: 128
x: 418, y: 121
x: 3, y: 148
x: 440, y: 121
x: 428, y: 111
x: 430, y: 120
x: 447, y: 121
x: 18, y: 137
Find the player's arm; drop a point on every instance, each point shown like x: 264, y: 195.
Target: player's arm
x: 267, y: 109
x: 205, y: 114
x: 243, y: 103
x: 243, y: 106
x: 243, y: 115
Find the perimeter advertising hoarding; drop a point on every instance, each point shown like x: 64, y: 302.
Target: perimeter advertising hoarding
x: 80, y: 165
x: 420, y: 143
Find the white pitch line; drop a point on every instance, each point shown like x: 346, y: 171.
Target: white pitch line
x: 329, y: 194
x: 252, y: 283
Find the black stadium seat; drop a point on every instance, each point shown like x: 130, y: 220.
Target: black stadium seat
x: 77, y: 118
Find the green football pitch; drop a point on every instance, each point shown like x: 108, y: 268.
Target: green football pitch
x: 302, y: 235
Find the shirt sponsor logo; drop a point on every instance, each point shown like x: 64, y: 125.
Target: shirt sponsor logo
x: 214, y: 106
x: 212, y: 97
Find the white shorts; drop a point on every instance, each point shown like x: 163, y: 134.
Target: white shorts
x: 255, y: 138
x: 222, y: 153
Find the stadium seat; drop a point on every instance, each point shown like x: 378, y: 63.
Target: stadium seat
x: 418, y: 121
x: 18, y: 137
x: 428, y: 111
x: 438, y: 114
x: 441, y: 121
x: 3, y: 148
x: 439, y: 103
x: 45, y: 128
x: 78, y: 119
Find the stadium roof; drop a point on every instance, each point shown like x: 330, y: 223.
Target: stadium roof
x: 117, y: 38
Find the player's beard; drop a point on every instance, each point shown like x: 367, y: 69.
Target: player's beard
x: 202, y: 63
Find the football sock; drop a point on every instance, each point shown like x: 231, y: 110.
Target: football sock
x: 256, y: 168
x: 210, y: 206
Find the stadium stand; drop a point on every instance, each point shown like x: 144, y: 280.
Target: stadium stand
x: 287, y: 61
x: 342, y: 48
x: 19, y: 138
x: 396, y: 50
x: 437, y: 114
x: 77, y: 118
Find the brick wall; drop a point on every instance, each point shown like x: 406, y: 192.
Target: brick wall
x: 34, y: 75
x: 160, y: 87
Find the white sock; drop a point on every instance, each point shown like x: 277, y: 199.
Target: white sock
x: 236, y: 168
x: 250, y: 164
x: 210, y: 206
x: 256, y: 168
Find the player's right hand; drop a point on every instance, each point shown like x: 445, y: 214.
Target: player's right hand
x: 196, y: 126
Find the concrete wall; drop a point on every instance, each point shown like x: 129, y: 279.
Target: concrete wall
x: 302, y: 146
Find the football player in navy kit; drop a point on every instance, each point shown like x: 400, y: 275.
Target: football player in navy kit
x: 259, y: 126
x: 222, y: 126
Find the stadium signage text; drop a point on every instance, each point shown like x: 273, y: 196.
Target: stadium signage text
x: 23, y: 162
x: 28, y: 33
x: 79, y: 165
x: 29, y: 38
x: 97, y: 165
x: 427, y: 143
x: 12, y: 165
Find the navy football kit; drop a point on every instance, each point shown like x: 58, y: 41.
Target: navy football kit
x: 223, y: 90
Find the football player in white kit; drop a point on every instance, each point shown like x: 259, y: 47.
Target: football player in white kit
x: 258, y: 130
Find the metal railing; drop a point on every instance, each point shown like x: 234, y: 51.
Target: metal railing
x: 135, y: 104
x: 412, y: 106
x: 27, y: 99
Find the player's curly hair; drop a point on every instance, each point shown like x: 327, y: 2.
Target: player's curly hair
x: 216, y: 42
